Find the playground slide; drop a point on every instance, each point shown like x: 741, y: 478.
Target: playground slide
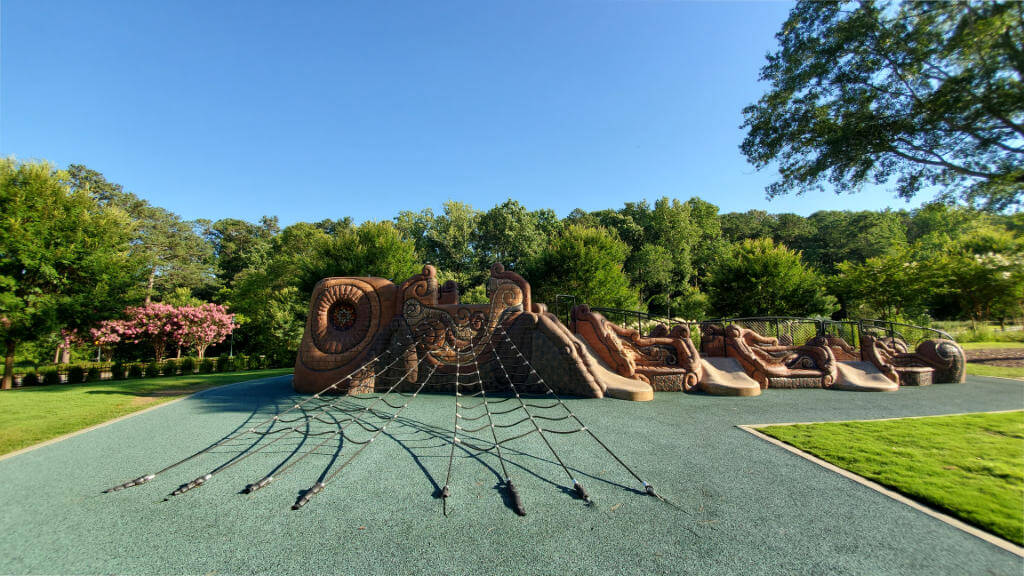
x: 726, y: 377
x: 616, y: 386
x: 862, y: 376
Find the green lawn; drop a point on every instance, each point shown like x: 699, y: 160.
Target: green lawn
x: 983, y: 345
x: 999, y: 371
x: 31, y: 415
x: 971, y: 466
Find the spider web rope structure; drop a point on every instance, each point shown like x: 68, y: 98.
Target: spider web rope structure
x: 531, y: 413
x: 481, y: 423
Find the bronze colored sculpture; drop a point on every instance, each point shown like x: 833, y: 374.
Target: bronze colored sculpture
x: 353, y: 320
x: 353, y: 341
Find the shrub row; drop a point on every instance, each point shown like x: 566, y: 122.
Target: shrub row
x: 92, y: 372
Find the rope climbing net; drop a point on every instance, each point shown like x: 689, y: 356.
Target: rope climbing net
x: 489, y: 414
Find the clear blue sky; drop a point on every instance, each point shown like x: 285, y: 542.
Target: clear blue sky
x: 312, y: 110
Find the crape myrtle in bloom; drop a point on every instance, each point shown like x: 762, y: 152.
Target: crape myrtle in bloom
x: 201, y: 326
x: 163, y: 325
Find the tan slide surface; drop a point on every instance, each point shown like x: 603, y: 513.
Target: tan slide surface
x: 863, y: 376
x: 617, y: 386
x: 726, y: 377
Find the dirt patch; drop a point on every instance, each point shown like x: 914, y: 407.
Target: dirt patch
x: 1010, y: 357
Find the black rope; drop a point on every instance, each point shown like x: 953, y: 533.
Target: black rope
x: 315, y: 397
x: 319, y: 486
x: 512, y: 492
x: 536, y: 426
x: 340, y: 430
x: 648, y: 488
x: 270, y: 478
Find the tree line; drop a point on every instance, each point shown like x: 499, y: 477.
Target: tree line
x: 77, y: 250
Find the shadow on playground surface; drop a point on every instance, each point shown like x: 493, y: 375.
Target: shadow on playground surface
x: 745, y: 506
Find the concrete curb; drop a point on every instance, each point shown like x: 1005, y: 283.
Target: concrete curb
x: 125, y: 417
x: 959, y: 524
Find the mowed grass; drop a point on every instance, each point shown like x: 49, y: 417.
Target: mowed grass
x: 970, y: 466
x: 32, y: 415
x: 989, y: 345
x: 997, y: 371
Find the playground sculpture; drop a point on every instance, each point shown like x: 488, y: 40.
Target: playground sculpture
x: 371, y: 347
x: 355, y: 319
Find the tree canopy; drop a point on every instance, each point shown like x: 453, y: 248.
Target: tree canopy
x: 758, y: 277
x: 926, y: 94
x: 74, y: 252
x: 587, y: 263
x: 65, y: 260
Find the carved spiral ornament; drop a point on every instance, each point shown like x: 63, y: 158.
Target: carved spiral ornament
x: 343, y: 318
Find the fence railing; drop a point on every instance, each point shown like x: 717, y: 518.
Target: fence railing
x: 788, y: 329
x: 912, y: 335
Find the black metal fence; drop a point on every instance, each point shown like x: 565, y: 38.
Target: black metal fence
x: 789, y: 330
x: 912, y: 335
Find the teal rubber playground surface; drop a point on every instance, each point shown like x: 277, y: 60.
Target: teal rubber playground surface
x: 745, y: 506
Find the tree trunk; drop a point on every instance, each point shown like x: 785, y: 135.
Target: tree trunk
x: 56, y: 355
x: 149, y: 286
x: 8, y: 381
x: 202, y: 351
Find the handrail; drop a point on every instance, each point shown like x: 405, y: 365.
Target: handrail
x: 640, y: 317
x: 892, y: 329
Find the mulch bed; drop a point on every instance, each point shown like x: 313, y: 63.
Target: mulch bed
x: 1013, y: 357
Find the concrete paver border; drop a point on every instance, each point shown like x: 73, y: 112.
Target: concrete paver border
x: 977, y: 532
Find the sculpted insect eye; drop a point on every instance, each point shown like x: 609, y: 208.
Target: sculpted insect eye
x: 342, y: 316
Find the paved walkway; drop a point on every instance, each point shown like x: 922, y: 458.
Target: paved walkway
x: 749, y: 507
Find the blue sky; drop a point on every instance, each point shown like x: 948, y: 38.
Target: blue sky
x: 311, y: 110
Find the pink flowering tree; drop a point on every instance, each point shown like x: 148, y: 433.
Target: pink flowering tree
x: 155, y: 323
x: 204, y: 325
x: 110, y: 333
x: 163, y: 326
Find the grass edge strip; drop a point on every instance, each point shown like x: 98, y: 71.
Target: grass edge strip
x: 122, y: 417
x: 954, y: 522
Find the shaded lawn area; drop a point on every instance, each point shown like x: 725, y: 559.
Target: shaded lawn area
x: 32, y: 415
x: 998, y: 371
x: 970, y: 466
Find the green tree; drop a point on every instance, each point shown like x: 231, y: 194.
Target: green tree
x: 651, y: 270
x: 182, y: 297
x: 758, y: 277
x: 984, y: 272
x: 414, y: 226
x: 450, y: 241
x: 926, y: 93
x: 707, y: 242
x: 585, y: 262
x: 851, y: 236
x: 273, y: 299
x: 510, y: 234
x: 65, y: 260
x: 173, y: 249
x: 892, y: 286
x: 739, y: 226
x: 238, y: 245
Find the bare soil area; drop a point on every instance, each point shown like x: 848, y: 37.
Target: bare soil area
x: 1013, y: 357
